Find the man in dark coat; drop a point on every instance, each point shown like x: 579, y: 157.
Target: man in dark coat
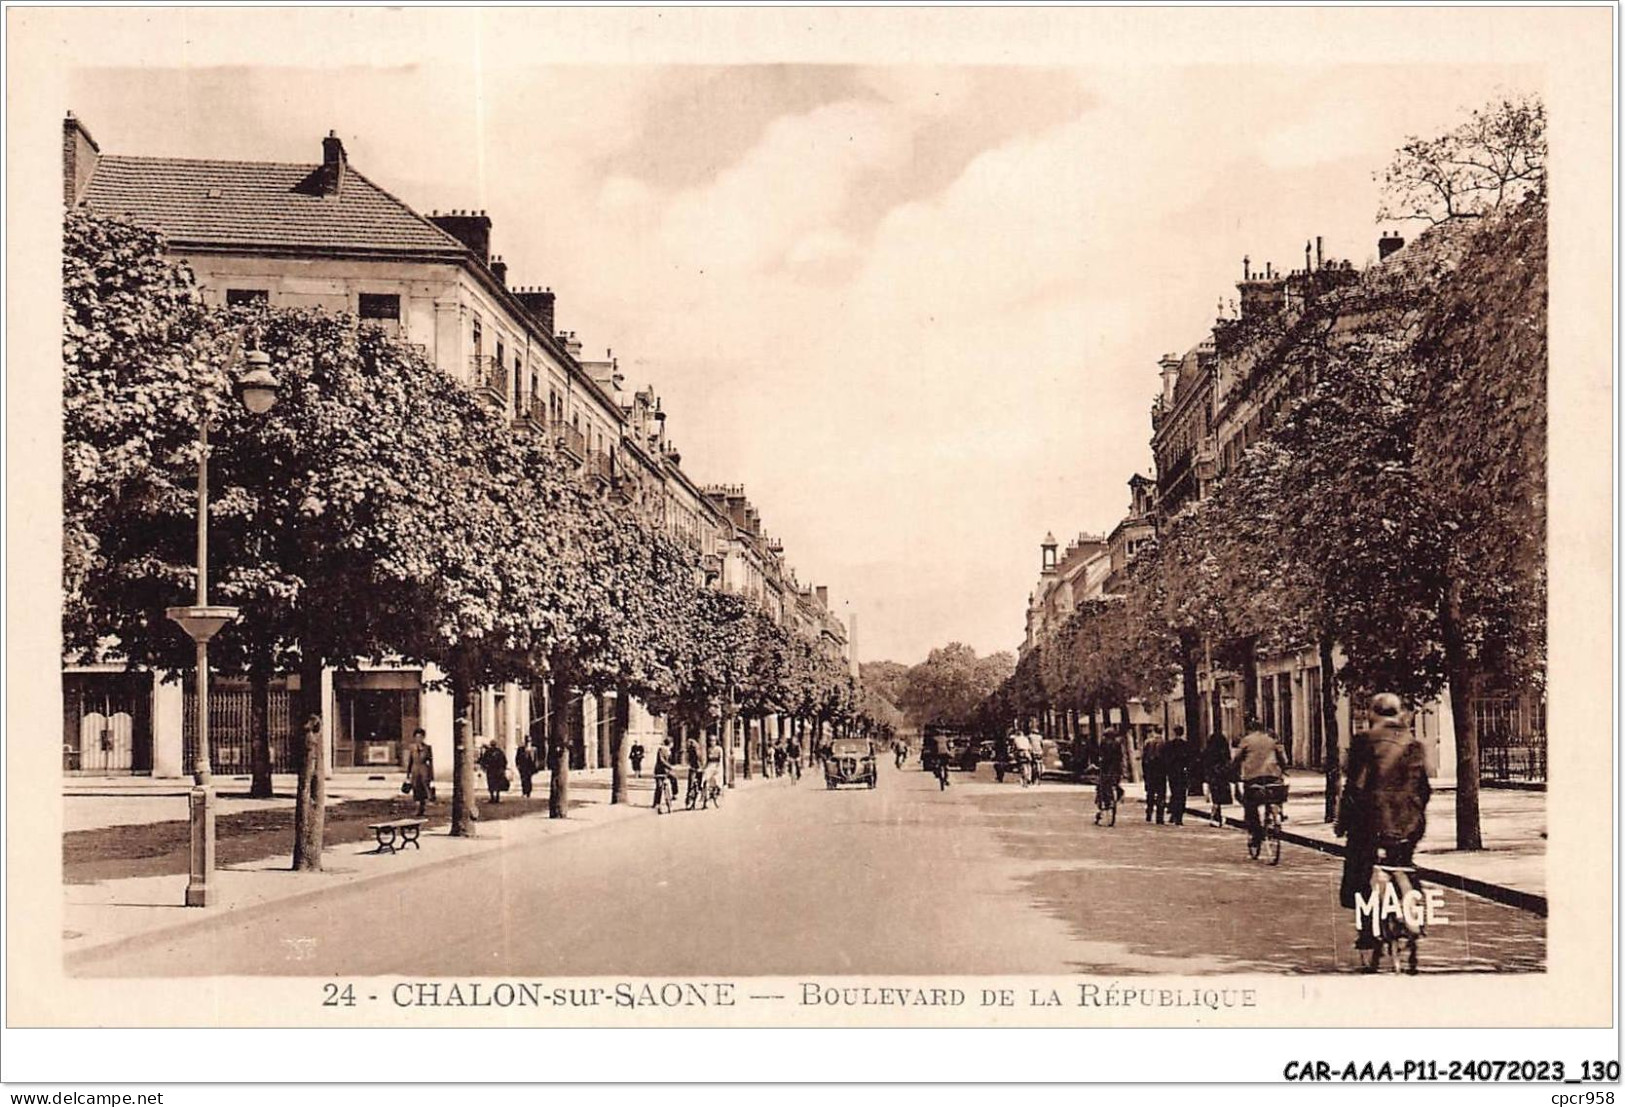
x: 1176, y: 760
x: 1156, y: 776
x: 1385, y: 797
x: 524, y: 760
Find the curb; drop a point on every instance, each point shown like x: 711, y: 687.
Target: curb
x: 1511, y: 897
x: 85, y: 957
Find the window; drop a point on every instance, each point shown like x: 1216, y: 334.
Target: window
x: 245, y: 297
x: 479, y: 339
x: 381, y: 306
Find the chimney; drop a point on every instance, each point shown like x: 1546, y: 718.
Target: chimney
x: 1320, y: 259
x: 571, y: 344
x: 1307, y: 266
x: 823, y: 596
x: 471, y: 228
x: 333, y: 165
x: 1170, y: 377
x: 499, y: 270
x: 539, y: 302
x: 79, y: 157
x: 1389, y: 243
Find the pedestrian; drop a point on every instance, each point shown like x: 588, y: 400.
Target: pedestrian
x: 1155, y: 774
x: 779, y: 756
x: 665, y: 770
x: 420, y: 769
x: 1259, y: 760
x: 495, y: 764
x: 526, y: 761
x: 1109, y: 782
x: 794, y: 748
x: 1385, y: 799
x: 1035, y: 755
x: 636, y: 756
x: 711, y: 782
x: 1176, y: 763
x: 1216, y: 766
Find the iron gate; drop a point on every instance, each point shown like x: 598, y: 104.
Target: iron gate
x: 231, y: 727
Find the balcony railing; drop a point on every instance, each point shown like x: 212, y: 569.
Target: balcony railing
x: 530, y: 412
x: 570, y: 439
x: 600, y: 468
x: 489, y: 376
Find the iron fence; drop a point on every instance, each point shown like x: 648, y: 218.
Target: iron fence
x: 231, y: 730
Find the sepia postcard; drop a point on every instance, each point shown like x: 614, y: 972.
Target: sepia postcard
x: 810, y: 518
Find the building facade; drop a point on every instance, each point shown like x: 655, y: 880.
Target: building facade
x: 324, y: 236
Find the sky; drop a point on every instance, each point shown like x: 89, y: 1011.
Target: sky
x: 916, y: 310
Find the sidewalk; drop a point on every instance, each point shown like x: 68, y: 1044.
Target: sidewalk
x: 1510, y: 869
x: 112, y: 913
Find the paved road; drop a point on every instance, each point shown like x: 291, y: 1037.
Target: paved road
x: 982, y: 878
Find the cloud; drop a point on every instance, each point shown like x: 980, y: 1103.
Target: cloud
x: 794, y: 182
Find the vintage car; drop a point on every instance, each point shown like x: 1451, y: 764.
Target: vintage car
x: 850, y: 761
x: 957, y: 747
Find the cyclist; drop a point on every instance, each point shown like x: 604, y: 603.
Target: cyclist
x: 665, y: 773
x: 1259, y: 760
x: 711, y: 780
x: 1385, y: 800
x: 695, y: 761
x: 1108, y: 785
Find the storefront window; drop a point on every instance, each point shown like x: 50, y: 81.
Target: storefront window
x: 377, y: 712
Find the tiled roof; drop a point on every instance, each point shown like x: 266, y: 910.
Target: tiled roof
x: 258, y: 205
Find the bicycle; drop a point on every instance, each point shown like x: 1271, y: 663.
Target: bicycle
x: 1107, y: 805
x: 1397, y: 932
x: 665, y: 788
x: 1269, y: 798
x: 711, y: 793
x: 692, y: 798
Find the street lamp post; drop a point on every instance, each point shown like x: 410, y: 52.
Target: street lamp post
x: 257, y: 389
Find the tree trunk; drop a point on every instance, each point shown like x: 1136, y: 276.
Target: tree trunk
x: 1127, y: 736
x: 1330, y: 744
x: 1469, y: 835
x: 618, y: 751
x: 1094, y: 734
x: 1195, y: 738
x: 558, y: 785
x: 746, y: 749
x: 464, y: 809
x: 1249, y: 680
x: 606, y: 752
x: 310, y: 799
x: 259, y: 681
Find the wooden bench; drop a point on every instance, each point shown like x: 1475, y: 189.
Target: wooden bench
x: 397, y: 834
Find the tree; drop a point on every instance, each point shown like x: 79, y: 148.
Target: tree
x: 1497, y: 156
x: 1403, y: 486
x: 332, y: 518
x: 946, y: 687
x: 1480, y: 455
x: 884, y: 678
